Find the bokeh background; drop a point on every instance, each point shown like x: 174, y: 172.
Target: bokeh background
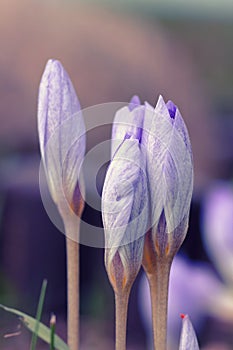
x: 182, y: 50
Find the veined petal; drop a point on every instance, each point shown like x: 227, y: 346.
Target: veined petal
x: 162, y: 109
x: 128, y: 122
x: 125, y: 208
x: 57, y: 100
x: 169, y: 166
x: 124, y: 176
x: 188, y: 339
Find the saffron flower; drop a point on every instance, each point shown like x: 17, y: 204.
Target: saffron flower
x: 62, y: 144
x: 125, y: 211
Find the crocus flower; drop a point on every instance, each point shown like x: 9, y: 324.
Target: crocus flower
x: 165, y: 145
x: 125, y: 197
x: 123, y: 202
x: 164, y: 139
x: 217, y: 222
x: 62, y: 137
x: 170, y: 175
x: 188, y: 339
x: 125, y: 213
x: 62, y: 144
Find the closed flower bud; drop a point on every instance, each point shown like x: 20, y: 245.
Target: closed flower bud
x: 62, y: 144
x: 125, y: 204
x: 170, y: 181
x: 62, y: 138
x: 170, y: 175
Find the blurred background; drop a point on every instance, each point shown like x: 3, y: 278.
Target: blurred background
x: 182, y: 50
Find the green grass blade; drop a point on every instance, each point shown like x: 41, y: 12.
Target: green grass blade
x: 38, y: 315
x: 43, y: 333
x: 52, y: 331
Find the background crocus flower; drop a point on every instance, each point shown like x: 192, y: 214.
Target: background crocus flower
x: 170, y: 176
x: 125, y: 215
x: 62, y: 144
x: 193, y: 288
x: 188, y: 339
x: 217, y: 223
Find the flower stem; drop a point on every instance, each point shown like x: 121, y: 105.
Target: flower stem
x: 159, y: 281
x: 72, y: 251
x: 121, y: 305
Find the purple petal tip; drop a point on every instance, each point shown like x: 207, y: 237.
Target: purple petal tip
x: 171, y: 109
x: 134, y: 102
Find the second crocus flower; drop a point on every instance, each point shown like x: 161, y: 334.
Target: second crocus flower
x: 125, y: 211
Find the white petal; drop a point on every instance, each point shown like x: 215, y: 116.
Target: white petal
x: 170, y: 168
x: 61, y: 132
x: 188, y: 339
x: 125, y: 204
x: 57, y: 100
x: 128, y: 123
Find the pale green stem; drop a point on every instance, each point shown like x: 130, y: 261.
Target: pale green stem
x: 121, y: 307
x: 159, y: 281
x: 72, y: 251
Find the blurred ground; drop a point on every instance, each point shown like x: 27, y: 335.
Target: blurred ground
x: 110, y: 56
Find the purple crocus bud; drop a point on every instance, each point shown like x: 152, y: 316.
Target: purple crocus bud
x: 125, y: 206
x: 62, y: 138
x: 170, y: 175
x: 218, y: 228
x: 188, y: 339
